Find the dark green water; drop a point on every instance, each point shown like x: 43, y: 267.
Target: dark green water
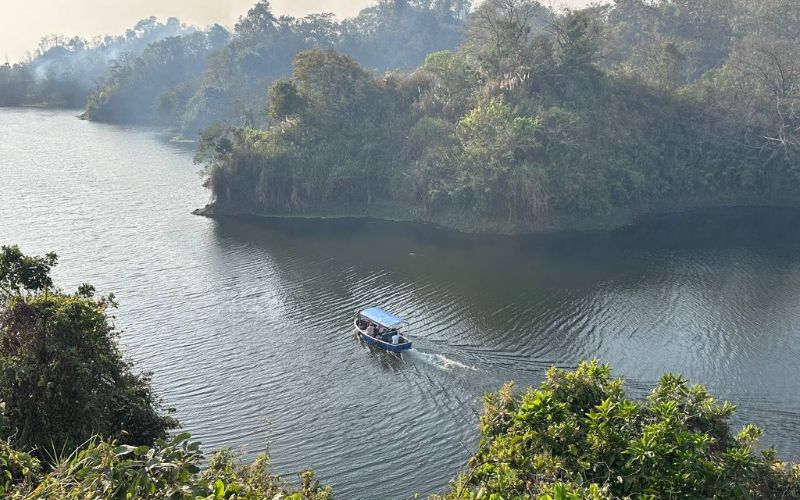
x: 247, y: 324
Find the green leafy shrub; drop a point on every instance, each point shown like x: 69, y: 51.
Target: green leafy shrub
x: 63, y: 377
x: 64, y: 385
x: 579, y: 436
x: 170, y: 469
x: 18, y: 471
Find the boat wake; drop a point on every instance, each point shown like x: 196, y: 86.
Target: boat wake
x: 440, y: 361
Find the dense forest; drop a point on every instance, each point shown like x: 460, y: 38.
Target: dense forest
x: 77, y: 421
x: 507, y: 116
x: 540, y: 119
x: 64, y: 71
x: 186, y: 79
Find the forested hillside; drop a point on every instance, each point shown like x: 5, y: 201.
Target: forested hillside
x: 541, y: 119
x: 505, y: 116
x: 63, y: 71
x: 186, y: 79
x: 227, y: 81
x: 388, y: 35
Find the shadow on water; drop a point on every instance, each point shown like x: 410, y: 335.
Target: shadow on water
x: 507, y: 285
x: 739, y: 227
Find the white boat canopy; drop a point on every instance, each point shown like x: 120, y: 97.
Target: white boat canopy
x: 381, y: 317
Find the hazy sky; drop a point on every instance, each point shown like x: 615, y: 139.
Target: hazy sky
x: 24, y: 22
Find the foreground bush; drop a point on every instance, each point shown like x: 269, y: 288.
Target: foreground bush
x: 579, y: 436
x: 63, y: 377
x: 169, y: 469
x: 64, y: 385
x: 18, y: 471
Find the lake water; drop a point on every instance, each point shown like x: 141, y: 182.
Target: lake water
x: 247, y: 325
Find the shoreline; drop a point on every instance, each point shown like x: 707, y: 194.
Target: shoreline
x: 614, y: 220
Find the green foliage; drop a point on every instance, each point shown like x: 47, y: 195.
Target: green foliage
x: 157, y: 84
x: 543, y: 119
x: 284, y: 101
x: 579, y: 436
x: 447, y: 86
x: 15, y: 83
x: 168, y: 469
x: 577, y: 36
x: 499, y: 36
x: 21, y: 273
x: 343, y: 122
x: 64, y: 385
x: 18, y: 471
x: 64, y: 71
x: 186, y: 78
x: 254, y: 480
x: 191, y: 81
x: 497, y: 142
x: 62, y: 375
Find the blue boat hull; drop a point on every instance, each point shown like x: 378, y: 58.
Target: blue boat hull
x: 386, y: 346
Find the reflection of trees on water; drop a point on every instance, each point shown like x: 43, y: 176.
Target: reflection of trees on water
x: 487, y: 274
x: 416, y: 262
x: 555, y: 296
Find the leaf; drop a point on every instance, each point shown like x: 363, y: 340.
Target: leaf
x: 183, y: 436
x: 219, y: 489
x: 124, y: 450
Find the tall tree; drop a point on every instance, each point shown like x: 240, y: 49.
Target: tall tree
x: 63, y: 378
x: 500, y: 31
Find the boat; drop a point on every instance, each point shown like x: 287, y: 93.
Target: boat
x: 380, y: 320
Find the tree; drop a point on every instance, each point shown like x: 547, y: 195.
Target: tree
x: 448, y: 87
x: 284, y: 100
x: 63, y: 378
x: 577, y: 35
x: 499, y: 32
x: 20, y: 273
x: 498, y: 147
x: 579, y: 436
x: 258, y: 22
x: 761, y: 80
x: 667, y: 68
x: 156, y: 85
x: 335, y: 81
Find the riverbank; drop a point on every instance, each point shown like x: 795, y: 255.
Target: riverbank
x: 468, y: 223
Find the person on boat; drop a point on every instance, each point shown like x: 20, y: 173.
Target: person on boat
x: 371, y: 330
x: 396, y: 338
